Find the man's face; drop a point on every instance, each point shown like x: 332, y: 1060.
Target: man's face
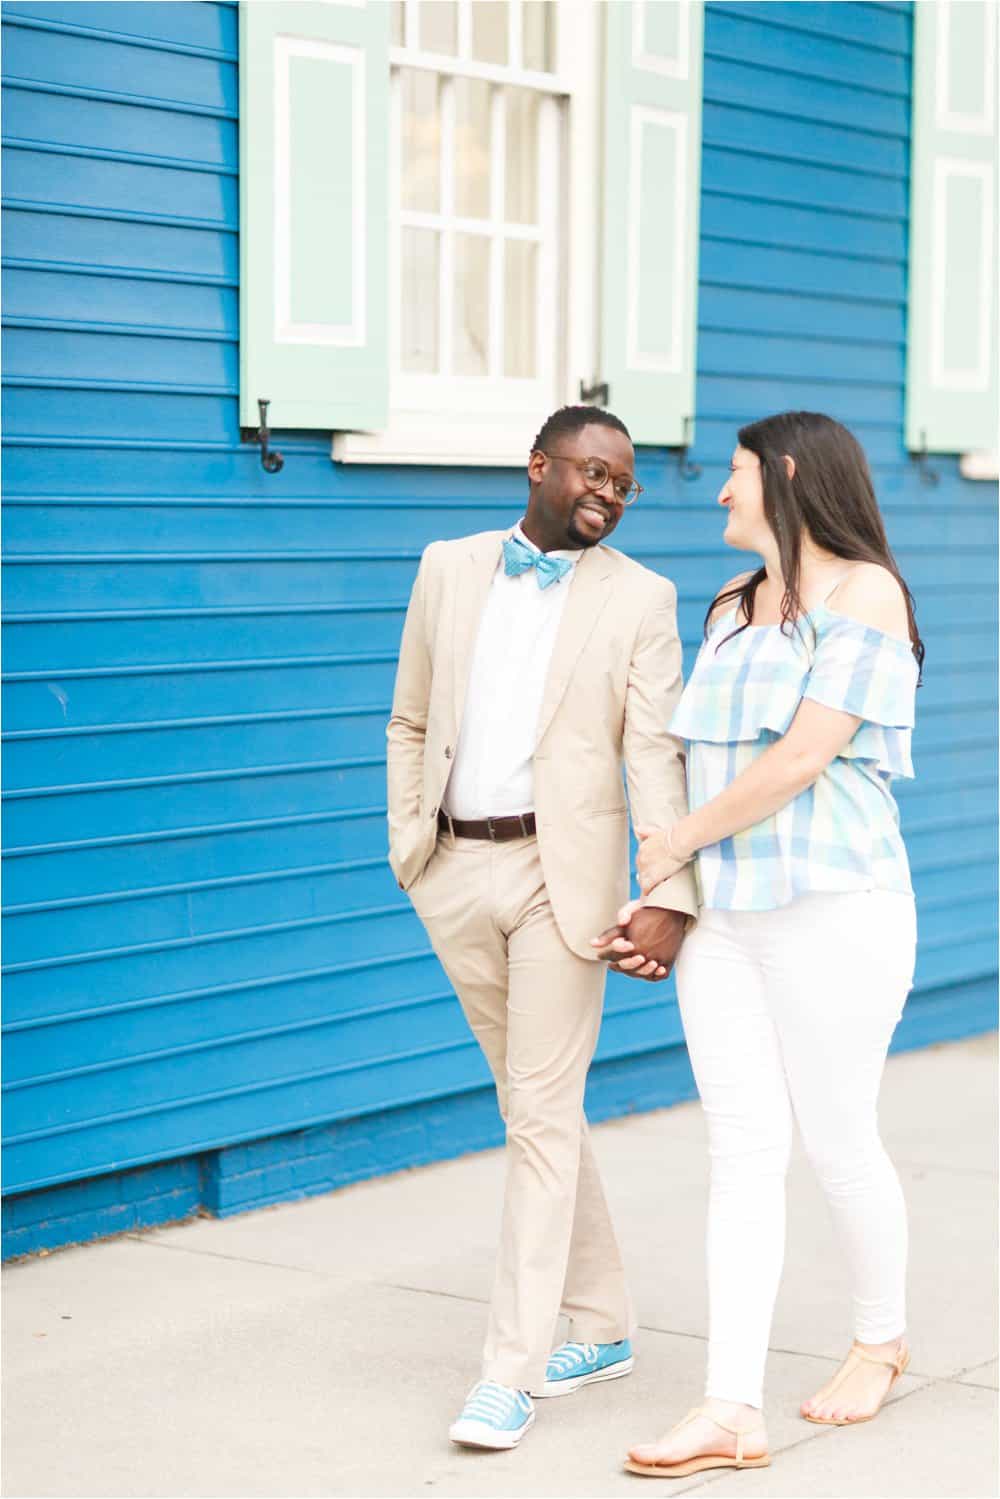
x: 563, y: 508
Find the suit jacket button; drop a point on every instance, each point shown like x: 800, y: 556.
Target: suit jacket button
x: 447, y: 752
x: 434, y: 812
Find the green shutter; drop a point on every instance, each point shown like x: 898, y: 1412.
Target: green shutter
x: 652, y: 169
x: 951, y: 380
x: 314, y: 124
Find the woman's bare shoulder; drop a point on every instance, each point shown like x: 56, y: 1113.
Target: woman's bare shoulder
x: 871, y: 595
x: 724, y: 592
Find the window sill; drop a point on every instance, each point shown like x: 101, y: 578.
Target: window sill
x: 980, y: 465
x: 433, y: 441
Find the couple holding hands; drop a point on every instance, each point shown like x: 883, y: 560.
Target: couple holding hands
x: 535, y: 664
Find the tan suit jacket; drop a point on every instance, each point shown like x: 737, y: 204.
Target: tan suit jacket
x: 613, y: 682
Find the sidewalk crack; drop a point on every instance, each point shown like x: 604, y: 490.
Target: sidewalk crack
x: 818, y: 1434
x: 395, y: 1285
x: 237, y: 1259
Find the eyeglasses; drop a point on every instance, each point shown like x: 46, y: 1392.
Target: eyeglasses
x: 596, y: 474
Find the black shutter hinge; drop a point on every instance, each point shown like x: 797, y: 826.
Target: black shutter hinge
x: 271, y: 461
x: 597, y: 394
x: 686, y: 468
x: 928, y: 475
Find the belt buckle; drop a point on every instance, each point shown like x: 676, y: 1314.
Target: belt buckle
x: 491, y: 830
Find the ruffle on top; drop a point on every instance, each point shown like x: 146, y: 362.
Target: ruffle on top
x: 756, y: 681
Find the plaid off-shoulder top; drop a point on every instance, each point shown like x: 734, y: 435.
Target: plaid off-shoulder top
x: 841, y: 833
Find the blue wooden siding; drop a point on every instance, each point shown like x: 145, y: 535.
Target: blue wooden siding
x: 204, y: 944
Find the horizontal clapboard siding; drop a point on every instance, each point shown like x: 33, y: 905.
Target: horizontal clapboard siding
x: 804, y: 247
x: 204, y: 943
x: 803, y: 275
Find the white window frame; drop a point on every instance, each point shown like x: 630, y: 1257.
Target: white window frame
x: 447, y: 393
x: 489, y: 421
x: 984, y: 465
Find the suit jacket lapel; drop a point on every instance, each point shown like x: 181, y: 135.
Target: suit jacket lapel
x: 589, y: 593
x: 471, y: 590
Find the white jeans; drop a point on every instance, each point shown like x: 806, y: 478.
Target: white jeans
x: 791, y: 1011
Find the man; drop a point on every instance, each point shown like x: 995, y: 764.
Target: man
x: 532, y: 663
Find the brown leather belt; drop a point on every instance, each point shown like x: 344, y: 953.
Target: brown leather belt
x: 496, y: 829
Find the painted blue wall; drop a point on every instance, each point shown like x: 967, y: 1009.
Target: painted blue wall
x: 215, y: 993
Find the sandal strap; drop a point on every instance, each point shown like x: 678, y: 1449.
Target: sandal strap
x: 737, y: 1431
x: 692, y: 1415
x: 846, y: 1369
x: 897, y: 1364
x: 858, y: 1356
x: 733, y: 1430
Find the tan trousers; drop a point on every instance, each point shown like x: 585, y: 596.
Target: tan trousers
x: 535, y: 1009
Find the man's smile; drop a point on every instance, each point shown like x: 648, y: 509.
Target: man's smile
x: 594, y: 512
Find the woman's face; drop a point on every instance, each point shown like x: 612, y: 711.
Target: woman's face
x: 743, y: 497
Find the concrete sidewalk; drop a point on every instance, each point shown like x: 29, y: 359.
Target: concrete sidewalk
x: 322, y: 1347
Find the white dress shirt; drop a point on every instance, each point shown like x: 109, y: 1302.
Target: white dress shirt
x: 493, y: 773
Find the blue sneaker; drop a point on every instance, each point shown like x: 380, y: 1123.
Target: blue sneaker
x: 494, y: 1415
x: 574, y: 1364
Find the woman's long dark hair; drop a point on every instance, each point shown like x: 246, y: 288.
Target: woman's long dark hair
x: 830, y: 495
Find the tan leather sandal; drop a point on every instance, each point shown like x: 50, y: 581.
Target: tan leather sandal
x: 898, y: 1365
x: 703, y: 1460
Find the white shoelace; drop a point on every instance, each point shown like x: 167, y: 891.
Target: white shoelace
x: 494, y: 1403
x: 571, y: 1356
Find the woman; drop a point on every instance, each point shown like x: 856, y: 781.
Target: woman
x: 797, y: 714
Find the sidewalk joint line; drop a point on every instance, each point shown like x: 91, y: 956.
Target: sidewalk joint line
x: 239, y: 1259
x: 394, y: 1285
x: 971, y: 1369
x: 813, y: 1435
x: 722, y: 1473
x: 990, y: 1171
x: 669, y: 1332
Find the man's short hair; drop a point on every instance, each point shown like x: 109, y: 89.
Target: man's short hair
x: 569, y: 419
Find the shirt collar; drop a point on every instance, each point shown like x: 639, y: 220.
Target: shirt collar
x: 572, y: 556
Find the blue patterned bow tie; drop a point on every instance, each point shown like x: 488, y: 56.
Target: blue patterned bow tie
x: 517, y: 558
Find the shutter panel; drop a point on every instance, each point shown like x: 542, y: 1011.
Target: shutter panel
x: 652, y: 169
x: 951, y: 382
x: 314, y: 120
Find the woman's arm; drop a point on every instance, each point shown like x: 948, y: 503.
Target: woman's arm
x: 816, y: 736
x: 654, y: 761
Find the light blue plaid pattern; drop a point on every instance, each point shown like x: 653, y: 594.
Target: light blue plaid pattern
x: 842, y: 833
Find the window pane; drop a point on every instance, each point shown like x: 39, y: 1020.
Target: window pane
x: 420, y: 250
x: 398, y: 23
x: 489, y: 30
x: 472, y: 148
x: 472, y: 293
x: 421, y: 147
x: 538, y: 35
x: 520, y: 309
x: 439, y: 26
x: 522, y: 156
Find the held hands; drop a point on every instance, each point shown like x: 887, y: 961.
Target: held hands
x: 661, y: 855
x: 645, y: 942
